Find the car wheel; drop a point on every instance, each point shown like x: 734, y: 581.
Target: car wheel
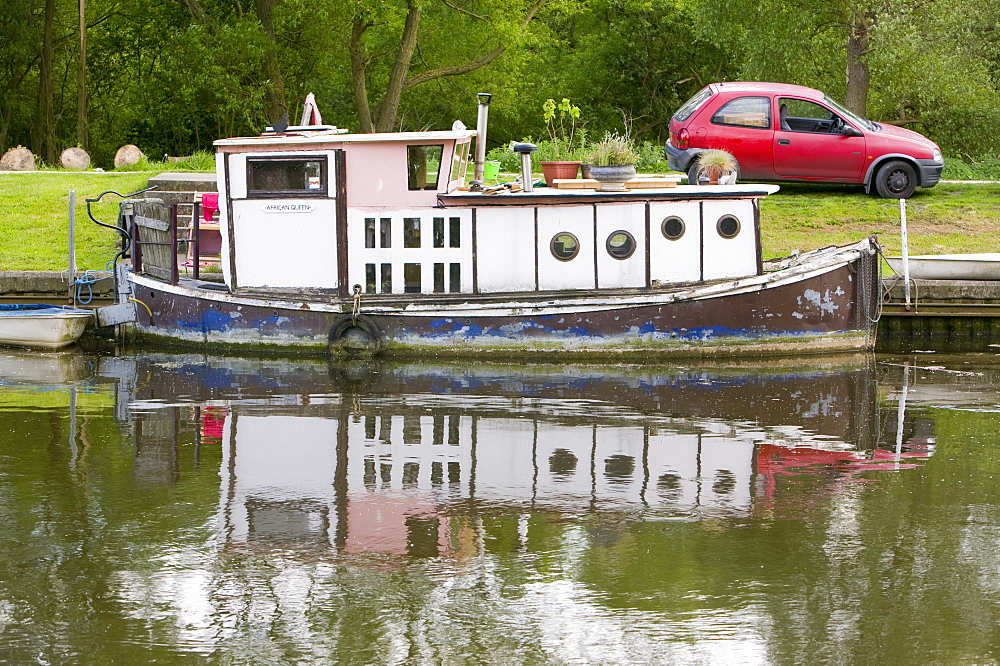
x: 895, y: 180
x: 694, y: 173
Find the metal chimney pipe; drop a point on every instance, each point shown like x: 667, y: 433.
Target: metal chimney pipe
x: 525, y: 150
x: 484, y: 112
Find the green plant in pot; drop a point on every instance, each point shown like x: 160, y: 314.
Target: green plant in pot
x: 558, y: 157
x: 612, y: 162
x: 714, y: 164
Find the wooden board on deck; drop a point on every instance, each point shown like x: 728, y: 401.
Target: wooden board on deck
x: 634, y: 184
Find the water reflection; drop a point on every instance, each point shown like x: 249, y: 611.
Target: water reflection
x: 288, y: 511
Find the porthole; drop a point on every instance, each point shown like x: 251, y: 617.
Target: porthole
x: 564, y: 246
x: 621, y: 245
x: 673, y: 228
x: 728, y: 226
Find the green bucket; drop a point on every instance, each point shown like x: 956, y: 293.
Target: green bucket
x: 491, y: 171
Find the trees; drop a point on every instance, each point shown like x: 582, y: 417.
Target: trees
x: 414, y: 29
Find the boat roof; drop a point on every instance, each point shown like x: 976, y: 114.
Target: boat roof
x: 304, y: 136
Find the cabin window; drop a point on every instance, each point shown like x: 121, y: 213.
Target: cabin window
x: 564, y: 246
x: 411, y: 232
x: 369, y: 232
x: 620, y: 245
x: 455, y: 278
x: 438, y: 278
x: 386, y: 278
x: 273, y: 177
x: 411, y: 278
x: 438, y: 232
x: 673, y: 228
x: 423, y: 165
x: 385, y: 232
x: 728, y: 226
x: 455, y: 232
x: 369, y: 278
x: 461, y: 162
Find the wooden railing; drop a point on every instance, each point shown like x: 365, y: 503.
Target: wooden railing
x: 155, y: 242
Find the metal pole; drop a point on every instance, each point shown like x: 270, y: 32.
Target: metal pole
x: 484, y: 112
x: 71, y: 278
x: 905, y: 252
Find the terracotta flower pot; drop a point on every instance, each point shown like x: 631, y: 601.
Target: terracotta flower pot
x: 553, y: 170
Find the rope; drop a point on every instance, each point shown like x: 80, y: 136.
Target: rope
x: 88, y: 280
x: 357, y: 304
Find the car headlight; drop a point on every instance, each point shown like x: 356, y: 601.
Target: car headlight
x: 938, y: 157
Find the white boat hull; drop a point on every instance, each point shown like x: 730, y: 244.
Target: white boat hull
x: 984, y: 266
x: 46, y: 328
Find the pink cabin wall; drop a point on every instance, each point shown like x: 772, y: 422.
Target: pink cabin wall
x: 376, y: 175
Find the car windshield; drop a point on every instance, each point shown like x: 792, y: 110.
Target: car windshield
x: 692, y: 104
x: 863, y: 123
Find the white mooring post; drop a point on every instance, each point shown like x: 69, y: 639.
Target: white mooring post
x: 71, y: 278
x: 905, y: 252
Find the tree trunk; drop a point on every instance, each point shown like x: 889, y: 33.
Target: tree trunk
x: 858, y: 76
x: 359, y: 87
x: 275, y: 101
x: 44, y: 137
x: 388, y: 106
x: 82, y: 130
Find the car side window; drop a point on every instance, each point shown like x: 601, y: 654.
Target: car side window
x: 745, y: 112
x: 799, y: 115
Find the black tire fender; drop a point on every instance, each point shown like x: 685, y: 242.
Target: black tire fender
x: 355, y: 335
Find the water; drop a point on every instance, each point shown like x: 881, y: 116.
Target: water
x: 179, y: 508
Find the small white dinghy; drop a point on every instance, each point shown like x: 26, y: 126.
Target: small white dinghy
x: 39, y: 325
x: 983, y: 266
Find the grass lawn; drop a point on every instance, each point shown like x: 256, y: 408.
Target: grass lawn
x: 945, y: 218
x: 34, y: 218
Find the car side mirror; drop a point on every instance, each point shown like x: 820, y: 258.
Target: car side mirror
x: 850, y: 131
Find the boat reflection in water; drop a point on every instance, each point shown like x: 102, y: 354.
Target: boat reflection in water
x: 400, y: 460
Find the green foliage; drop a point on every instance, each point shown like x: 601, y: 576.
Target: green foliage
x: 985, y: 169
x: 560, y: 123
x: 200, y: 161
x: 613, y: 150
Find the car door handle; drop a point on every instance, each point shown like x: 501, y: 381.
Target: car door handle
x: 784, y: 142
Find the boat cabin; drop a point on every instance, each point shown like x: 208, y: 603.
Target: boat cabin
x: 317, y: 210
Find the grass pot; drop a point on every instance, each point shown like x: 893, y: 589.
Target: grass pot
x: 612, y: 178
x: 561, y: 170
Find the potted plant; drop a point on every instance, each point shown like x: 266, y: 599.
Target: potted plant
x: 612, y: 162
x: 715, y: 164
x: 557, y: 159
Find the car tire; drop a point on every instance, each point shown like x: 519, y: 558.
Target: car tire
x: 694, y: 172
x: 896, y: 180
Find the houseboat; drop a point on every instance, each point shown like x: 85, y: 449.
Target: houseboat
x: 376, y: 243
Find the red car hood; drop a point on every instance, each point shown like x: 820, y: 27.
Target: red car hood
x: 890, y: 136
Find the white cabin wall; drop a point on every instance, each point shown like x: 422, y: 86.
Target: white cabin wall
x: 505, y: 249
x: 223, y: 217
x: 675, y: 260
x: 612, y: 272
x: 578, y: 273
x: 289, y: 248
x: 729, y: 257
x: 397, y: 256
x: 237, y: 176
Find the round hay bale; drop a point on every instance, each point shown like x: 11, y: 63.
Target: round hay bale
x: 17, y: 159
x: 75, y: 158
x: 127, y: 156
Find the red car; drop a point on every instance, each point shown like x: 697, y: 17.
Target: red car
x: 782, y: 132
